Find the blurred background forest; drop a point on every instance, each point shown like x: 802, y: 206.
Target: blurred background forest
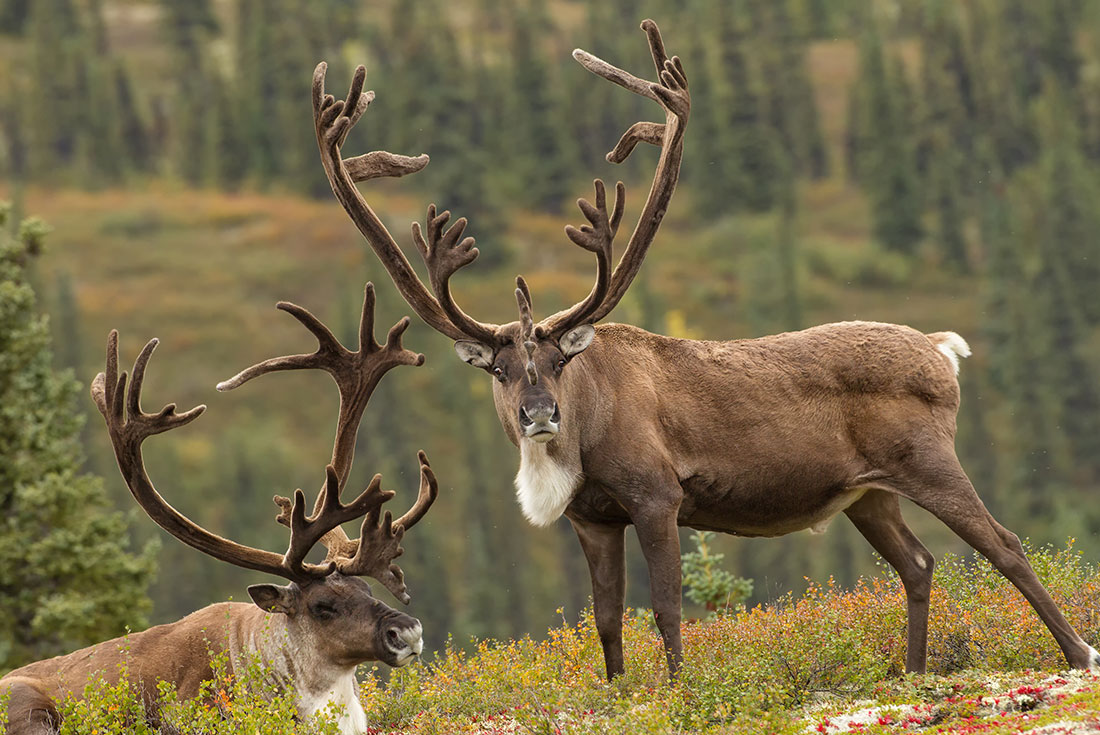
x: 929, y: 162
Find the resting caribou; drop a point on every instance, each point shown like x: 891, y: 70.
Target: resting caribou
x: 312, y: 632
x: 756, y: 437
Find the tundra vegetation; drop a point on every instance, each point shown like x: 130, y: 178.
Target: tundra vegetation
x: 930, y: 163
x: 828, y: 660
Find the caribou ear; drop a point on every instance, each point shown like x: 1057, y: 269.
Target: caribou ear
x: 475, y: 353
x: 273, y: 598
x: 577, y: 339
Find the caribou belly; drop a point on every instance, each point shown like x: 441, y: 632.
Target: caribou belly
x: 773, y: 510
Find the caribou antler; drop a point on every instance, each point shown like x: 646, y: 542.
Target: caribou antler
x: 356, y: 375
x: 444, y: 254
x: 333, y: 119
x: 672, y: 94
x: 445, y: 251
x: 596, y: 237
x: 372, y: 554
x: 129, y: 426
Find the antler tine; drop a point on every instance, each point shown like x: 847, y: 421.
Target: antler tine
x: 333, y: 119
x: 328, y: 347
x: 527, y: 329
x: 521, y: 284
x: 355, y: 373
x: 379, y: 545
x: 372, y: 554
x: 328, y: 514
x: 429, y: 490
x: 129, y: 426
x: 596, y: 237
x: 445, y: 253
x: 672, y: 94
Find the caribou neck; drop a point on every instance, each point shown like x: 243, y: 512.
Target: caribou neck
x: 295, y: 667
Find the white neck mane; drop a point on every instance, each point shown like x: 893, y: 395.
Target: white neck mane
x: 316, y: 684
x: 544, y: 484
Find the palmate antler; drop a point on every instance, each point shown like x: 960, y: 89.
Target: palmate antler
x: 356, y: 373
x: 444, y: 251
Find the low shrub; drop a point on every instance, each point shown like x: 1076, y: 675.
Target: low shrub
x: 787, y: 667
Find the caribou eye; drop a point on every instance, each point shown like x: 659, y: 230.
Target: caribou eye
x: 499, y: 373
x: 322, y: 611
x: 561, y: 364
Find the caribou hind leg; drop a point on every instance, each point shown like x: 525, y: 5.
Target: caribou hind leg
x: 940, y: 486
x: 30, y: 710
x: 877, y: 515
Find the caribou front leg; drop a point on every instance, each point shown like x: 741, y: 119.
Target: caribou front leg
x: 660, y: 540
x: 603, y: 548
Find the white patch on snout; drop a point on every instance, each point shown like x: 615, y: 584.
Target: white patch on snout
x: 414, y: 637
x: 1094, y: 660
x: 921, y: 562
x: 544, y: 486
x: 953, y: 347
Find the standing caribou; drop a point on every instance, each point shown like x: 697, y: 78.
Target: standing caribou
x: 756, y: 437
x: 327, y: 620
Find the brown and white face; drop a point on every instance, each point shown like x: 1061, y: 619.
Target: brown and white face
x: 339, y: 618
x: 528, y: 373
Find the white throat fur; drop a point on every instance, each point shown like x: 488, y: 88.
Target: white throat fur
x: 544, y: 485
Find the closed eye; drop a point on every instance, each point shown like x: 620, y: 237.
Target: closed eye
x: 323, y: 610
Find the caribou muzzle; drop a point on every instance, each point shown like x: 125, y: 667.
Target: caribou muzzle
x: 540, y: 422
x: 402, y: 639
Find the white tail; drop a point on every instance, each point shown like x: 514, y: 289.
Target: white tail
x: 952, y: 346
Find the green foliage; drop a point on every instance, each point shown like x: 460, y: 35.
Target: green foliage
x: 248, y: 702
x: 706, y: 583
x: 882, y: 144
x: 67, y: 575
x: 227, y: 704
x: 104, y: 707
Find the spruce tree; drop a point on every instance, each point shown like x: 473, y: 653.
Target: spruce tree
x: 544, y: 158
x: 1069, y: 274
x: 54, y: 110
x: 884, y: 149
x: 68, y: 576
x: 750, y: 143
x: 255, y: 73
x: 188, y: 26
x: 1037, y: 469
x: 945, y: 128
x: 792, y: 108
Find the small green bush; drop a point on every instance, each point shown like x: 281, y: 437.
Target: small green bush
x: 248, y: 702
x: 706, y: 583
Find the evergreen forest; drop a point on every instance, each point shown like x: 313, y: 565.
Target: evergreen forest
x: 929, y: 162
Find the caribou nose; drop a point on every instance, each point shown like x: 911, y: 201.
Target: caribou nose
x: 540, y: 422
x: 404, y: 640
